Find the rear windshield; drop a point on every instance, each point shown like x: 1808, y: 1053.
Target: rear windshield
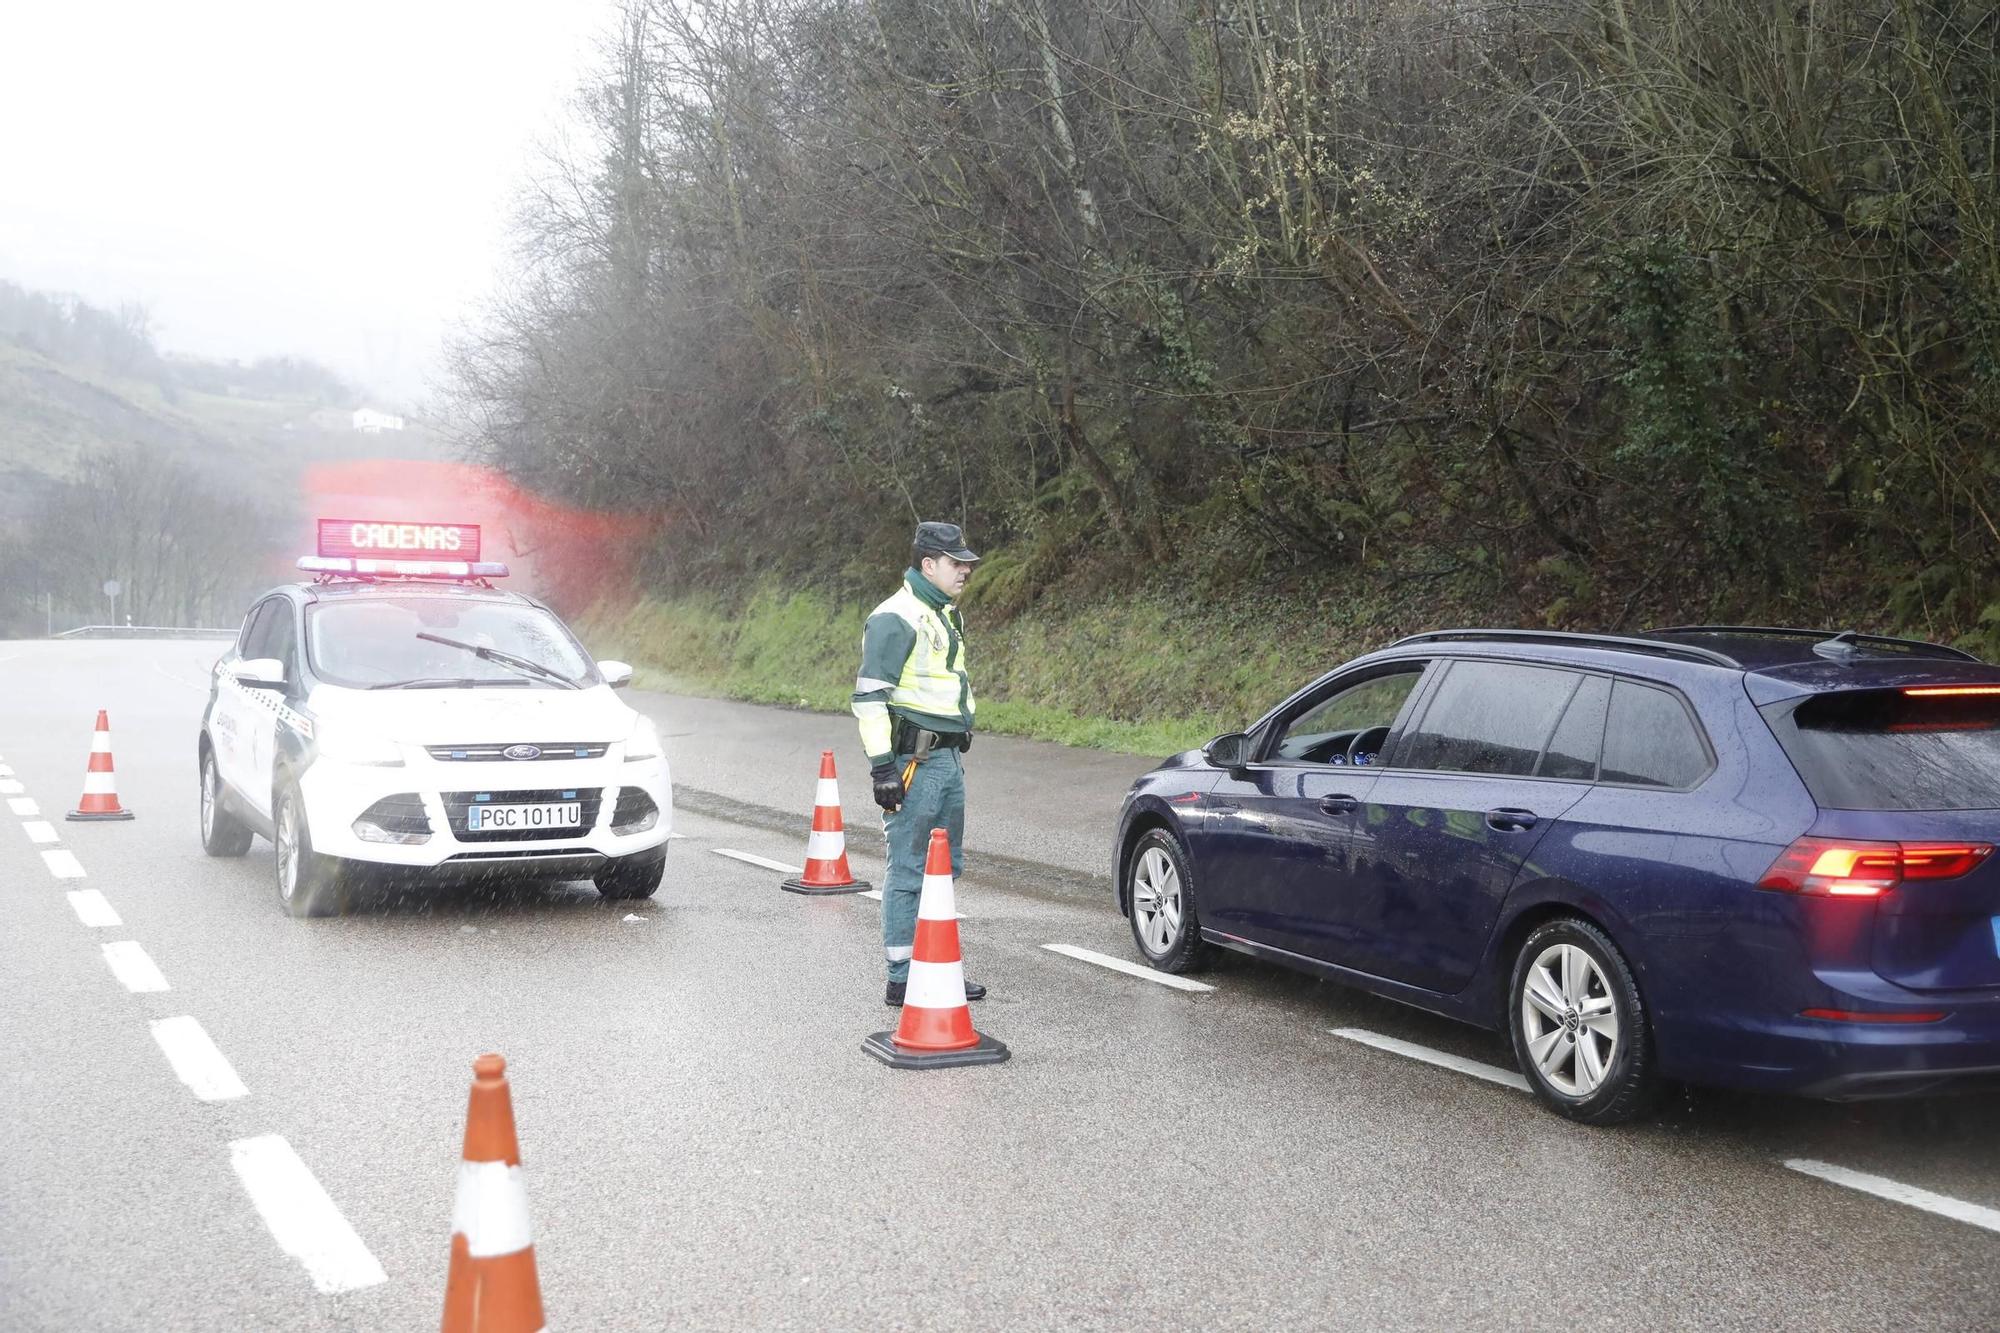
x: 1888, y: 750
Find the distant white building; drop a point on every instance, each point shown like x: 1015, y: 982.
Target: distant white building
x: 372, y: 422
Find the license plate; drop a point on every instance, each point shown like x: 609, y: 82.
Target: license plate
x: 493, y: 818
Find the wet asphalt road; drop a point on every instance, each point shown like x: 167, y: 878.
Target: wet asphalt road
x: 706, y: 1145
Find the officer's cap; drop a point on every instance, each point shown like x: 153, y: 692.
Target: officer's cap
x: 943, y: 539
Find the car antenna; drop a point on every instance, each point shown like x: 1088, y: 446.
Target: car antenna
x: 1842, y: 647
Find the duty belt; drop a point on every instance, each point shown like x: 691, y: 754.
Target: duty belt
x: 907, y: 737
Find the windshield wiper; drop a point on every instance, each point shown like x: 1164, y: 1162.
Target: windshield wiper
x: 504, y: 659
x: 447, y: 683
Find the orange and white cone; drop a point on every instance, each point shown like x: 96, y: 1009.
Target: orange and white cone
x: 100, y: 785
x: 936, y: 1029
x: 826, y: 848
x: 492, y: 1287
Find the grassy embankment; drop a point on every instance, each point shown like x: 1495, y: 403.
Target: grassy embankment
x: 1140, y: 672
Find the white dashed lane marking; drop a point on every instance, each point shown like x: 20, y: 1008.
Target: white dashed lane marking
x: 130, y: 964
x: 63, y: 864
x: 6, y: 772
x: 1506, y: 1078
x: 196, y: 1061
x: 302, y: 1218
x: 1130, y: 969
x: 92, y: 908
x: 768, y: 864
x: 23, y: 806
x: 9, y: 787
x: 39, y: 830
x: 1895, y: 1191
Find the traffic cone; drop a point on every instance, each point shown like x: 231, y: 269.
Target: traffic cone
x: 491, y: 1287
x: 100, y: 786
x: 826, y: 849
x: 936, y: 1028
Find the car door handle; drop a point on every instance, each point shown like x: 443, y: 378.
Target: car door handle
x: 1510, y: 821
x: 1338, y: 804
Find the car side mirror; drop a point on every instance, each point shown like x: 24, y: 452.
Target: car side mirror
x: 259, y: 673
x: 616, y: 674
x: 1231, y: 751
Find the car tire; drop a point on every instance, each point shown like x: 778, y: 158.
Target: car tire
x: 309, y: 884
x: 1579, y: 1025
x: 222, y: 834
x: 1160, y: 904
x: 630, y: 877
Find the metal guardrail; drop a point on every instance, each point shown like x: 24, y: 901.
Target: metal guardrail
x: 144, y: 632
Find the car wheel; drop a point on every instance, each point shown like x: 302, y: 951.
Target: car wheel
x: 308, y: 883
x: 1159, y: 889
x: 222, y: 834
x: 1579, y: 1025
x: 631, y: 877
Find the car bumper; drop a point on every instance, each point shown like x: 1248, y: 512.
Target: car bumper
x: 336, y: 796
x: 1845, y: 1060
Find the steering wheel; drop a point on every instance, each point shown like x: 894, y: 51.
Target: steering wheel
x: 1367, y: 742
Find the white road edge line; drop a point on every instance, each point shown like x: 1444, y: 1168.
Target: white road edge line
x: 768, y: 864
x: 302, y: 1218
x: 196, y: 1061
x: 63, y: 864
x: 1130, y: 969
x: 92, y: 908
x: 160, y: 670
x: 1506, y: 1078
x: 23, y: 806
x: 876, y: 894
x: 39, y: 830
x: 1895, y: 1191
x: 130, y: 965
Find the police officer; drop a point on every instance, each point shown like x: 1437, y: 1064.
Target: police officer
x: 914, y: 702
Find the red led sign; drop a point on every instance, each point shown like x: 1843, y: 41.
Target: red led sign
x: 364, y: 539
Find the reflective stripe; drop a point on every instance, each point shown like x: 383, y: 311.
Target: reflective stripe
x: 935, y: 985
x: 491, y: 1210
x: 826, y: 846
x: 901, y: 955
x: 98, y: 784
x: 869, y: 684
x: 828, y: 793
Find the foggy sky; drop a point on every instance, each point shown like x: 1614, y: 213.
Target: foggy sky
x: 329, y: 180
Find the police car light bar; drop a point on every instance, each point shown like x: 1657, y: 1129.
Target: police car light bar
x: 409, y: 569
x: 365, y: 539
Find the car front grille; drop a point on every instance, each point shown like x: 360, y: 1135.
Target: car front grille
x: 457, y: 802
x: 491, y: 753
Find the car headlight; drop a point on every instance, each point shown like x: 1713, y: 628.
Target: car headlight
x: 347, y: 747
x: 644, y: 742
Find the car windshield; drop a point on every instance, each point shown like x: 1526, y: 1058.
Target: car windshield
x: 375, y: 643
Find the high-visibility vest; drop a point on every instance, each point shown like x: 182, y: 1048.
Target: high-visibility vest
x: 933, y: 689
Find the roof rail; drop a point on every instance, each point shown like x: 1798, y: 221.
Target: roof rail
x: 1819, y: 636
x: 1687, y: 652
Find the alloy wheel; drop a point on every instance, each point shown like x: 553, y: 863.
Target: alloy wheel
x: 288, y: 849
x: 1156, y: 900
x: 1570, y: 1020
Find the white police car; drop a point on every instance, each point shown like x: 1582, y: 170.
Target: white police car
x: 404, y: 715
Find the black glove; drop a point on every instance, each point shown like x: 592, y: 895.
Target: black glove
x: 965, y: 743
x: 888, y: 786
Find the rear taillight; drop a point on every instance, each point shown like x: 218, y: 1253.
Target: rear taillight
x: 1849, y: 868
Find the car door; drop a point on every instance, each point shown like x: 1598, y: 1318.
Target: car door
x: 229, y: 721
x: 278, y: 637
x: 1275, y: 856
x: 1469, y: 790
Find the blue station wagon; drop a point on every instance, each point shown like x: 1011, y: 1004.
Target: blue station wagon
x: 1750, y: 857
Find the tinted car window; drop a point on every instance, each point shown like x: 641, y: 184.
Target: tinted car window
x: 1489, y: 717
x: 1885, y: 750
x: 1650, y: 741
x: 1579, y: 736
x: 259, y: 639
x: 1322, y: 733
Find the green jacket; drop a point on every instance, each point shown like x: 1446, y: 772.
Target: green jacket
x: 912, y: 666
